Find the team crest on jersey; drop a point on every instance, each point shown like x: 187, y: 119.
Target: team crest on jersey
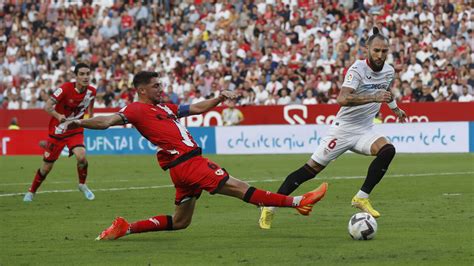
x: 389, y: 77
x: 219, y: 172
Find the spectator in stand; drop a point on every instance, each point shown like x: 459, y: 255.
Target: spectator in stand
x: 248, y: 97
x: 324, y: 84
x: 451, y: 96
x: 425, y: 76
x: 261, y: 95
x: 231, y: 116
x: 309, y: 99
x: 283, y: 98
x: 333, y: 93
x: 186, y: 39
x: 294, y: 98
x: 197, y: 97
x: 417, y: 90
x: 99, y: 102
x: 465, y: 97
x: 173, y: 97
x: 426, y: 95
x: 270, y: 100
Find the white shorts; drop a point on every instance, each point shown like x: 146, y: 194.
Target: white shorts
x: 337, y: 142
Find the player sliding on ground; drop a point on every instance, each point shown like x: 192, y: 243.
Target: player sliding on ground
x: 178, y: 152
x: 366, y: 86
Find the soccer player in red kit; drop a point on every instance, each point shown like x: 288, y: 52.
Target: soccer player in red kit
x: 178, y: 152
x: 70, y: 101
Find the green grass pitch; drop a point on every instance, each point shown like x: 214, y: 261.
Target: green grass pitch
x: 426, y: 202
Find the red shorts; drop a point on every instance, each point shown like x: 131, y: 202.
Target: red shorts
x: 55, y: 146
x: 194, y: 175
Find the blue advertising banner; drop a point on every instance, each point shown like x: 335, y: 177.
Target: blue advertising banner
x: 129, y: 141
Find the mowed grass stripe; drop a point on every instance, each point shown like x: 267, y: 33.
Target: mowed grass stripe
x: 249, y: 181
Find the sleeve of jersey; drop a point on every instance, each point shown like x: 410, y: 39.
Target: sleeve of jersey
x: 127, y: 114
x: 351, y: 80
x: 59, y: 94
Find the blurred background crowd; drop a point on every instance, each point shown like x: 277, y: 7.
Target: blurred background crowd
x: 269, y: 51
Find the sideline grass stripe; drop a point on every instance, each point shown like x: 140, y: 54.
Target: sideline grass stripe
x: 249, y: 181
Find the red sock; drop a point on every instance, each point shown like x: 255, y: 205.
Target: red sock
x: 157, y: 223
x: 266, y: 198
x: 36, y: 182
x: 82, y: 173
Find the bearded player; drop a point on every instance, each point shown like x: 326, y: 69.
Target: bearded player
x: 366, y: 86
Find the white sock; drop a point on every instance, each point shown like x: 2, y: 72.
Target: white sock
x: 297, y: 200
x: 362, y: 194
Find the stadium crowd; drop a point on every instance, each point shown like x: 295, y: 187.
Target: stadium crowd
x: 269, y: 51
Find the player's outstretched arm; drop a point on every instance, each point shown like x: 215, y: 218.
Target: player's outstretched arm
x: 204, y: 106
x: 347, y: 97
x: 98, y: 122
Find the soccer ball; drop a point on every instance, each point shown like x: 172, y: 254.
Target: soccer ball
x: 362, y: 226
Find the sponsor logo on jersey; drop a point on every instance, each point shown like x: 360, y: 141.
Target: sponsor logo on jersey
x: 46, y: 154
x: 58, y: 92
x: 368, y: 77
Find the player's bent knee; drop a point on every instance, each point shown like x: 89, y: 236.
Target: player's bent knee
x: 181, y: 224
x: 234, y: 187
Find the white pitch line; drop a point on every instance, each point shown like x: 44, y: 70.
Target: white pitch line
x: 249, y: 181
x: 452, y: 194
x: 99, y: 189
x: 65, y: 182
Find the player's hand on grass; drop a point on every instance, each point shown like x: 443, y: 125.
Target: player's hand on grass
x: 402, y: 116
x: 227, y: 95
x: 383, y: 96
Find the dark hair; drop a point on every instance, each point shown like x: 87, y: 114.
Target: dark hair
x: 376, y: 34
x: 80, y: 65
x: 143, y: 77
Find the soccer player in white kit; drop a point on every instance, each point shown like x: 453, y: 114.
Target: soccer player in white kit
x: 366, y: 86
